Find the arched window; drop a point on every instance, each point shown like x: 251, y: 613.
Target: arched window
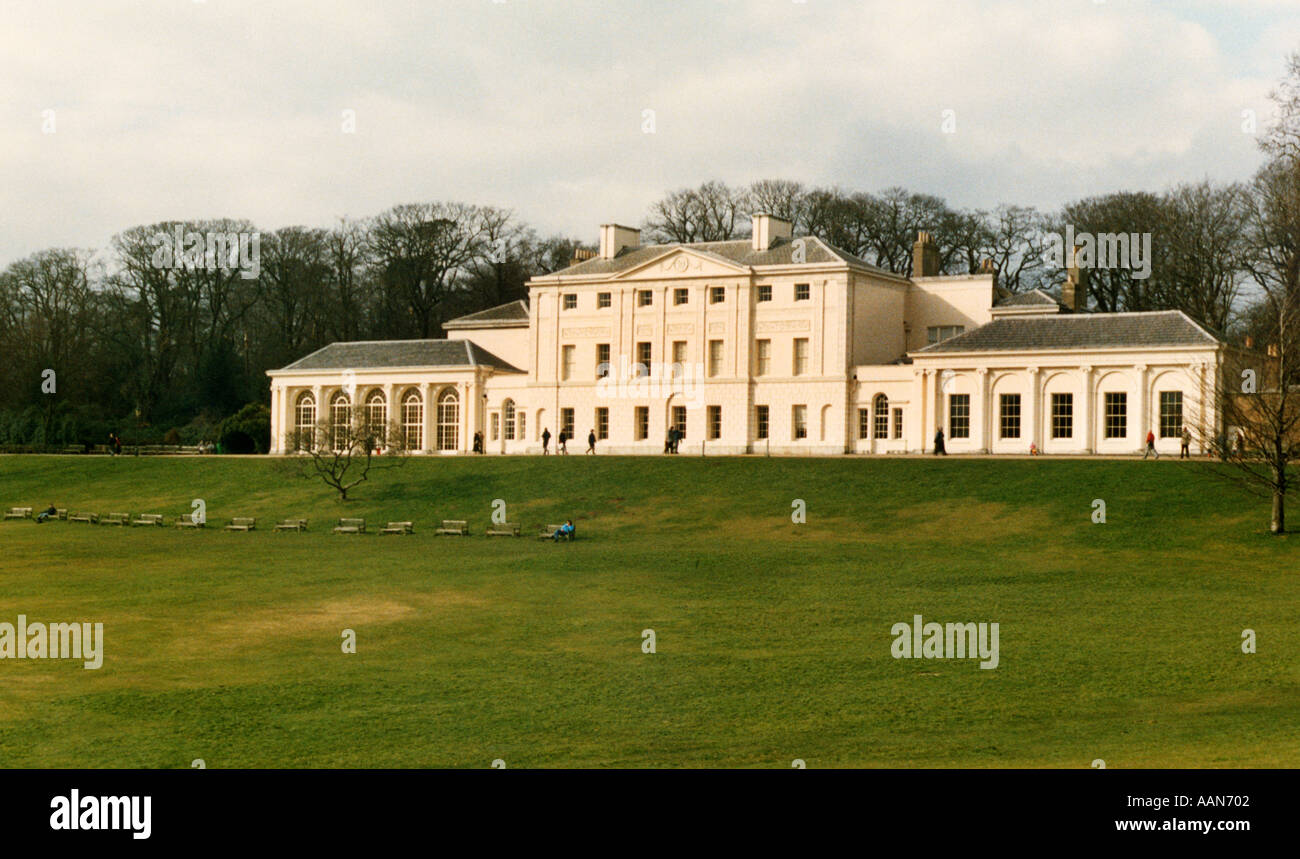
x: 340, y: 419
x: 377, y: 415
x: 509, y: 411
x: 413, y: 420
x: 448, y: 420
x: 881, y: 414
x: 304, y: 420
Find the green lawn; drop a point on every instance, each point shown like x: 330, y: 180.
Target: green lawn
x: 1119, y: 641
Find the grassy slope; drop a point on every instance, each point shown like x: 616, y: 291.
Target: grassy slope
x: 1118, y: 641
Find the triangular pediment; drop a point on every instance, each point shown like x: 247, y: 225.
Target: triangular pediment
x: 683, y: 262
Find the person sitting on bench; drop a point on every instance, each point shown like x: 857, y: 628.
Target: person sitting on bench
x: 47, y: 514
x: 565, y: 531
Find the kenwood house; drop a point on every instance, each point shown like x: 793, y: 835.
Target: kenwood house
x: 772, y: 344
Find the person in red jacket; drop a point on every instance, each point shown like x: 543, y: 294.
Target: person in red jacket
x: 1151, y: 445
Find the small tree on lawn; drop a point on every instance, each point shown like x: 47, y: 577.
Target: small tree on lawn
x: 342, y: 454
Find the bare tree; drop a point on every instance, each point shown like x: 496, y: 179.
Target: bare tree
x: 709, y: 213
x: 343, y: 452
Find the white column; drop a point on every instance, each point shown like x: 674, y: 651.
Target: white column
x: 1144, y: 406
x: 1087, y: 420
x: 924, y: 412
x: 1035, y: 428
x: 983, y: 442
x: 428, y: 442
x: 466, y: 404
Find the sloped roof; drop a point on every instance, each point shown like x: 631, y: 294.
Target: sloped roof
x: 376, y: 354
x: 1079, y: 331
x: 513, y: 314
x: 1032, y: 298
x: 739, y: 252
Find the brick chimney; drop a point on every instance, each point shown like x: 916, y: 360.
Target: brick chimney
x: 615, y: 237
x: 925, y: 256
x: 768, y: 228
x: 1074, y: 292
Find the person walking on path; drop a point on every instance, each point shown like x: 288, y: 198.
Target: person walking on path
x: 939, y: 449
x: 546, y: 440
x: 563, y: 441
x: 1151, y: 446
x: 591, y: 442
x: 1183, y: 452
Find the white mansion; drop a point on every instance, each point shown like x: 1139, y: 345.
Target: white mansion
x: 772, y: 344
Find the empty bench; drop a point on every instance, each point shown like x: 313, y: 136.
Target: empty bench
x: 503, y: 529
x: 398, y: 528
x: 291, y: 525
x: 186, y: 520
x: 88, y: 518
x: 453, y: 527
x: 242, y: 523
x: 148, y: 519
x: 350, y: 526
x: 19, y: 513
x: 549, y: 531
x: 118, y: 519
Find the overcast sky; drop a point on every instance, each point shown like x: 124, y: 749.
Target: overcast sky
x: 170, y: 109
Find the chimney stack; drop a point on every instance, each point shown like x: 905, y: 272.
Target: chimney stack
x: 615, y: 237
x: 1074, y: 292
x: 925, y: 256
x: 767, y: 229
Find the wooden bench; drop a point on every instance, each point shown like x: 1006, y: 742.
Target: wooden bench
x: 118, y: 519
x: 242, y: 523
x: 291, y: 525
x: 186, y: 520
x: 148, y: 519
x: 61, y: 513
x: 549, y: 531
x: 398, y: 528
x: 88, y: 518
x: 350, y: 526
x: 19, y: 513
x: 503, y: 529
x: 453, y: 527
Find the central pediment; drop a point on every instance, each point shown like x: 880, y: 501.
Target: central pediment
x: 683, y: 262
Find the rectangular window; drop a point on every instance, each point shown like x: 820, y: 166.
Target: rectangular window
x: 864, y: 423
x: 898, y: 423
x: 1116, y: 415
x: 681, y: 295
x: 799, y: 421
x: 570, y: 301
x: 643, y: 356
x: 715, y: 422
x: 1009, y: 416
x: 602, y: 360
x: 1171, y: 414
x: 939, y: 333
x: 645, y: 298
x: 522, y: 417
x: 641, y: 423
x: 800, y: 356
x: 679, y: 420
x: 715, y: 357
x: 802, y: 292
x: 679, y: 352
x: 760, y: 422
x: 1062, y: 415
x: 717, y: 294
x: 567, y: 357
x: 495, y: 424
x: 882, y: 418
x: 566, y: 421
x: 603, y: 299
x: 765, y: 292
x: 959, y: 416
x: 602, y: 423
x: 762, y: 357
